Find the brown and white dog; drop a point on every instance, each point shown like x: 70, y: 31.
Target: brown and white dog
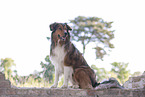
x: 68, y: 60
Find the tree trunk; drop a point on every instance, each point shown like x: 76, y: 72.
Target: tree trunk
x: 84, y: 47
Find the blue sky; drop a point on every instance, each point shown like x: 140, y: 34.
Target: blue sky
x: 24, y: 26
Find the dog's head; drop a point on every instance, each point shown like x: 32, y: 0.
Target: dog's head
x: 60, y: 32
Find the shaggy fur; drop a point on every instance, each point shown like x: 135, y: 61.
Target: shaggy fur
x: 68, y: 60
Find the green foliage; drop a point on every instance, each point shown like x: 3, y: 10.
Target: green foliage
x: 32, y: 80
x: 48, y: 70
x: 48, y: 38
x: 15, y: 78
x: 120, y: 69
x: 101, y: 73
x: 37, y: 79
x: 5, y: 67
x: 93, y: 29
x: 61, y: 81
x: 137, y: 73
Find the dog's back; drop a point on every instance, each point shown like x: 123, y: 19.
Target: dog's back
x: 83, y: 74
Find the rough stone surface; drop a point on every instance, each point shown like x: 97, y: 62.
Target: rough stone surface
x: 5, y: 84
x: 72, y: 93
x: 2, y: 76
x: 7, y: 91
x: 135, y: 82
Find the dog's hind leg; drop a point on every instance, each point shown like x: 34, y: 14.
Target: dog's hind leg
x: 83, y: 79
x: 74, y: 84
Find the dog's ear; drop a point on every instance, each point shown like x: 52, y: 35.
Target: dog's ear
x: 68, y: 27
x: 52, y: 26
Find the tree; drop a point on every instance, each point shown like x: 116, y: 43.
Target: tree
x: 120, y: 69
x: 101, y: 73
x: 5, y: 67
x: 16, y: 77
x: 95, y: 30
x: 48, y: 70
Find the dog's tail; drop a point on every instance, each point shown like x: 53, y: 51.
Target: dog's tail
x: 96, y: 84
x: 111, y: 83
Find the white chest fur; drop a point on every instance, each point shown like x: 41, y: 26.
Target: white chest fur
x: 58, y: 58
x: 58, y: 61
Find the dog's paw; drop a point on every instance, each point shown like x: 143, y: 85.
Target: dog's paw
x: 75, y: 87
x: 64, y: 86
x: 53, y: 86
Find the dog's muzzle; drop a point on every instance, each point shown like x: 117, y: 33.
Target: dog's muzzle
x: 63, y: 38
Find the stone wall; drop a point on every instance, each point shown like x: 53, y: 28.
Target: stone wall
x: 135, y: 82
x: 7, y: 91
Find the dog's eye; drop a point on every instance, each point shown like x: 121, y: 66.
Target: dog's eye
x: 65, y: 33
x: 60, y: 29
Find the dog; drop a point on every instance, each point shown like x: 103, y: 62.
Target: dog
x: 68, y: 60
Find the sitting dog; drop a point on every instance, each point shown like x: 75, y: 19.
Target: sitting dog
x: 68, y: 60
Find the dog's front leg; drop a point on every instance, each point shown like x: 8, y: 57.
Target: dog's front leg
x: 56, y: 79
x: 67, y: 70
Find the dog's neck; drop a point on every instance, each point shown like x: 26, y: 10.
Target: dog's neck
x: 65, y: 44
